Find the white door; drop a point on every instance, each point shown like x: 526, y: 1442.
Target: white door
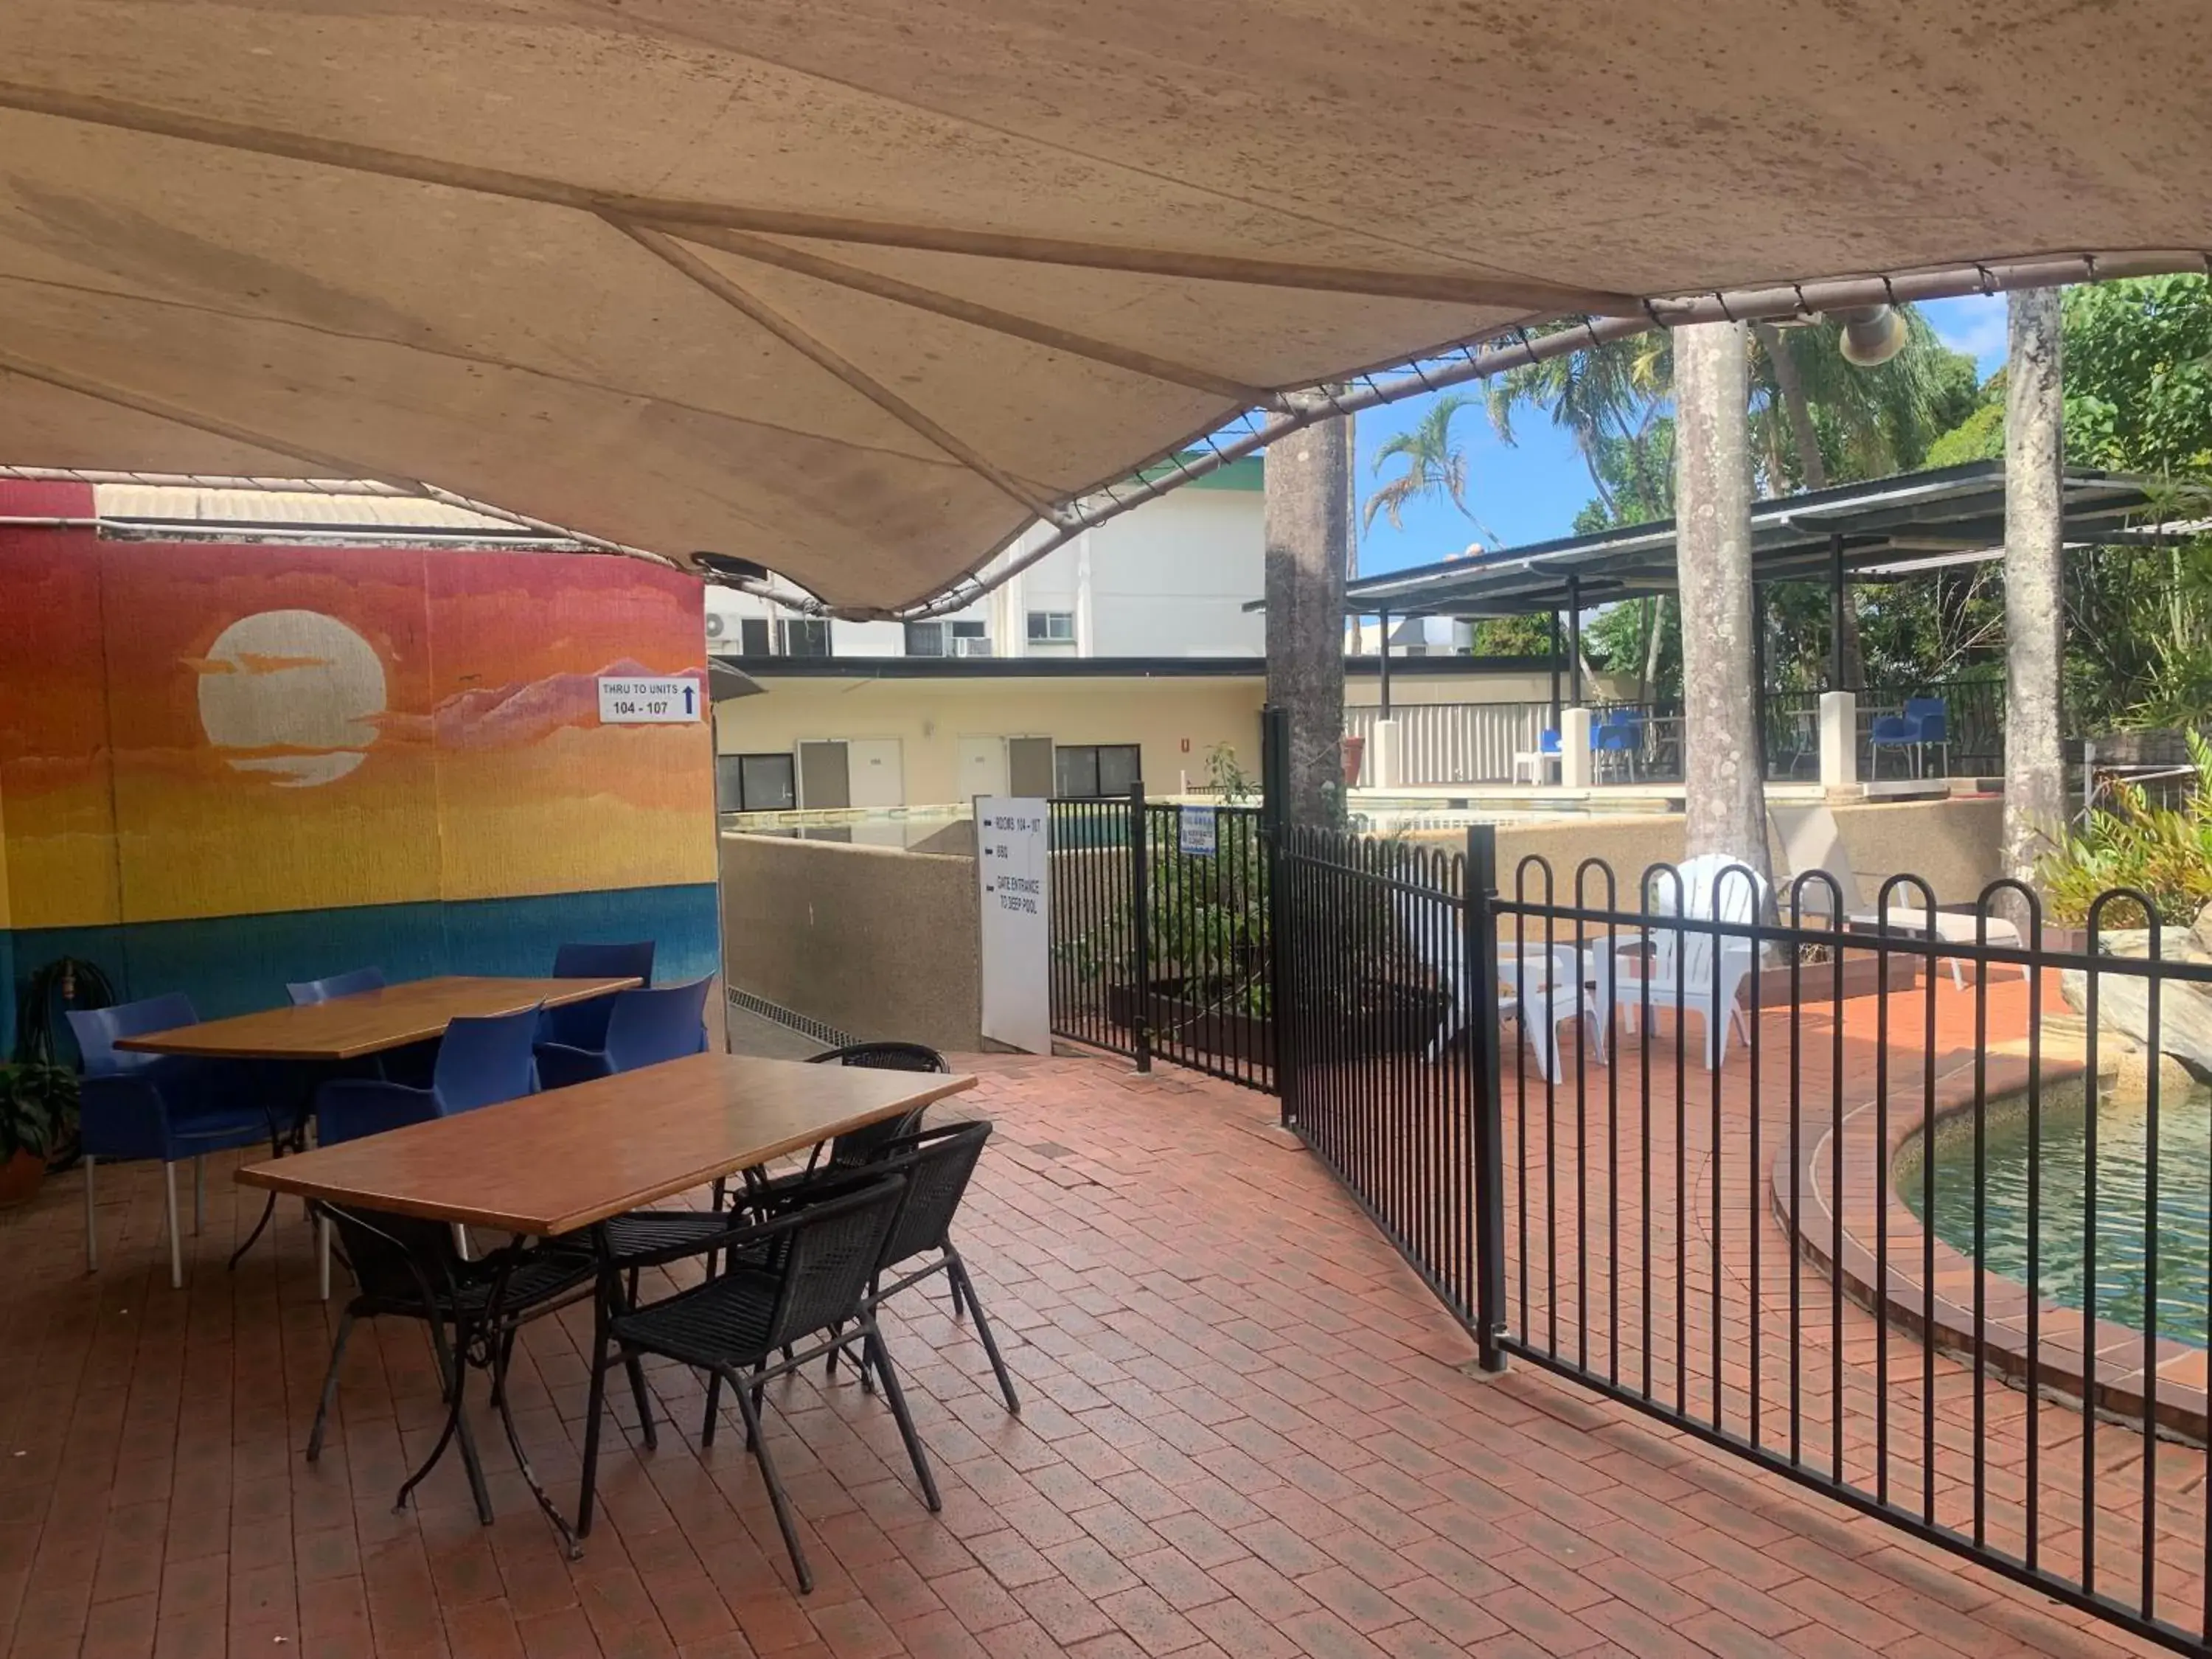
x: 982, y: 767
x: 878, y: 776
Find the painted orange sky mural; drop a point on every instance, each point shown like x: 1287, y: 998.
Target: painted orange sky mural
x: 289, y: 728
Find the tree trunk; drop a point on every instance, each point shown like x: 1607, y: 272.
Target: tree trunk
x: 1813, y: 473
x: 1722, y: 790
x: 2035, y: 762
x: 1308, y: 527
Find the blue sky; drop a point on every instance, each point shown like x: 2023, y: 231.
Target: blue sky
x: 1533, y: 490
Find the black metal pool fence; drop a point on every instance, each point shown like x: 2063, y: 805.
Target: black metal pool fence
x: 1512, y: 1072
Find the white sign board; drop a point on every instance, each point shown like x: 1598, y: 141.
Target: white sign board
x: 1194, y: 831
x: 1014, y: 874
x: 634, y: 700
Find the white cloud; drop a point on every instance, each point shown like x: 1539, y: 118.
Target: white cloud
x: 1974, y: 325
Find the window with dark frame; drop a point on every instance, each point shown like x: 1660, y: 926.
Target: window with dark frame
x: 1091, y: 770
x: 756, y: 783
x: 1051, y: 627
x: 805, y: 636
x: 943, y: 639
x: 752, y: 636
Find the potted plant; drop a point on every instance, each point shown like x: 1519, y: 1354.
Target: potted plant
x: 35, y: 1099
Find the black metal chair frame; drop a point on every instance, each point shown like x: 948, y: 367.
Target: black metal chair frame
x: 486, y: 1302
x: 763, y: 1247
x: 765, y: 1194
x: 903, y: 1154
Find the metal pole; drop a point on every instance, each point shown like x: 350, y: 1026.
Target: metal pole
x: 1274, y: 786
x: 1835, y: 601
x: 1383, y: 669
x: 1555, y: 670
x: 1140, y: 928
x: 1479, y: 984
x: 1759, y: 676
x: 1575, y: 637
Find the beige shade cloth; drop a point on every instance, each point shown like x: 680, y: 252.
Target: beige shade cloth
x: 676, y: 273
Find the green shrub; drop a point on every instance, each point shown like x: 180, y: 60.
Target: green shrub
x: 2164, y: 851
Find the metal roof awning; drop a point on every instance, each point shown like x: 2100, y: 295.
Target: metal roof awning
x: 857, y: 291
x: 1886, y: 529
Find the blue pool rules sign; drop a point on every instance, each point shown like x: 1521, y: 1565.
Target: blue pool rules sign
x: 1013, y: 875
x: 642, y: 700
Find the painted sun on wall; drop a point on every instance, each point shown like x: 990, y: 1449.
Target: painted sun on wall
x: 211, y: 732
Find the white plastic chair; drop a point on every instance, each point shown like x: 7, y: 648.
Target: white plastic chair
x: 1541, y: 987
x: 1678, y: 964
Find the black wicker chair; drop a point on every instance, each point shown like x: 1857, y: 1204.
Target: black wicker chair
x: 647, y: 1232
x: 939, y: 1164
x: 804, y: 1275
x: 407, y: 1268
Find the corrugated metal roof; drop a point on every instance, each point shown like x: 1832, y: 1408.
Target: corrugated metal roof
x: 191, y: 503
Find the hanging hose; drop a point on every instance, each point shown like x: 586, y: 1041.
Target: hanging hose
x: 63, y: 983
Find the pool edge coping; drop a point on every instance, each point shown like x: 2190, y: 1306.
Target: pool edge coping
x: 2181, y: 1406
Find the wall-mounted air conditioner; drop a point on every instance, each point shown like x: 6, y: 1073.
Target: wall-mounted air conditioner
x: 971, y: 648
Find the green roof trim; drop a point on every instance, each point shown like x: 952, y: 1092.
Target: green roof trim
x: 1245, y: 472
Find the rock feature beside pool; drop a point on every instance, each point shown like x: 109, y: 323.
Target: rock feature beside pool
x: 2185, y: 1010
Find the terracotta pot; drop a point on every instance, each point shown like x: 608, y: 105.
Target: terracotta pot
x: 1352, y: 749
x: 19, y: 1179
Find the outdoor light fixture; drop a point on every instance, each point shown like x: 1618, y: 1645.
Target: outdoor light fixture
x: 1872, y: 335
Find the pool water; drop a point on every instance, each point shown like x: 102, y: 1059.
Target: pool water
x: 2184, y: 1206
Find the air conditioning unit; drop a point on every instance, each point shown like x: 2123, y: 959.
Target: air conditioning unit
x: 715, y: 625
x: 971, y: 648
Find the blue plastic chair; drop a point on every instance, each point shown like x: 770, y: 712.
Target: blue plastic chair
x: 411, y: 1064
x: 481, y: 1061
x: 645, y: 1027
x: 1547, y: 743
x: 584, y: 1024
x: 1619, y: 731
x: 1923, y: 722
x: 161, y: 1106
x: 306, y: 991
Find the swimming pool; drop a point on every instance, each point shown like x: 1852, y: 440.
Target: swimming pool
x: 2183, y: 1204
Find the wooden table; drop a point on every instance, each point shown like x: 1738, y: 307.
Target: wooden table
x: 555, y: 1163
x: 368, y: 1022
x: 568, y: 1160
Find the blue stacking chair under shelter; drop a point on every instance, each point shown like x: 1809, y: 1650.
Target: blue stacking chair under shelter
x: 306, y: 991
x: 1619, y: 733
x: 480, y: 1062
x: 411, y: 1065
x: 1924, y: 723
x: 168, y: 1107
x: 584, y: 1024
x: 644, y: 1027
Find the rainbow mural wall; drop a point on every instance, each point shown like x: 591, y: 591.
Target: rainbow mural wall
x: 225, y: 767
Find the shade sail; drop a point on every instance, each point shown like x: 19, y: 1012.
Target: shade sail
x: 856, y: 290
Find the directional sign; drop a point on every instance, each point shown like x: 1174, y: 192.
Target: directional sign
x: 628, y: 700
x: 1013, y: 873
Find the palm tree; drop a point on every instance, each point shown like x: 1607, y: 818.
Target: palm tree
x: 1881, y: 420
x: 1804, y: 400
x: 1307, y: 530
x: 2035, y: 766
x: 1610, y: 394
x: 1434, y: 465
x: 1724, y: 788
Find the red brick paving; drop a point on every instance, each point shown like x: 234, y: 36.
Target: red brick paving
x: 1247, y: 1430
x: 1586, y: 1134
